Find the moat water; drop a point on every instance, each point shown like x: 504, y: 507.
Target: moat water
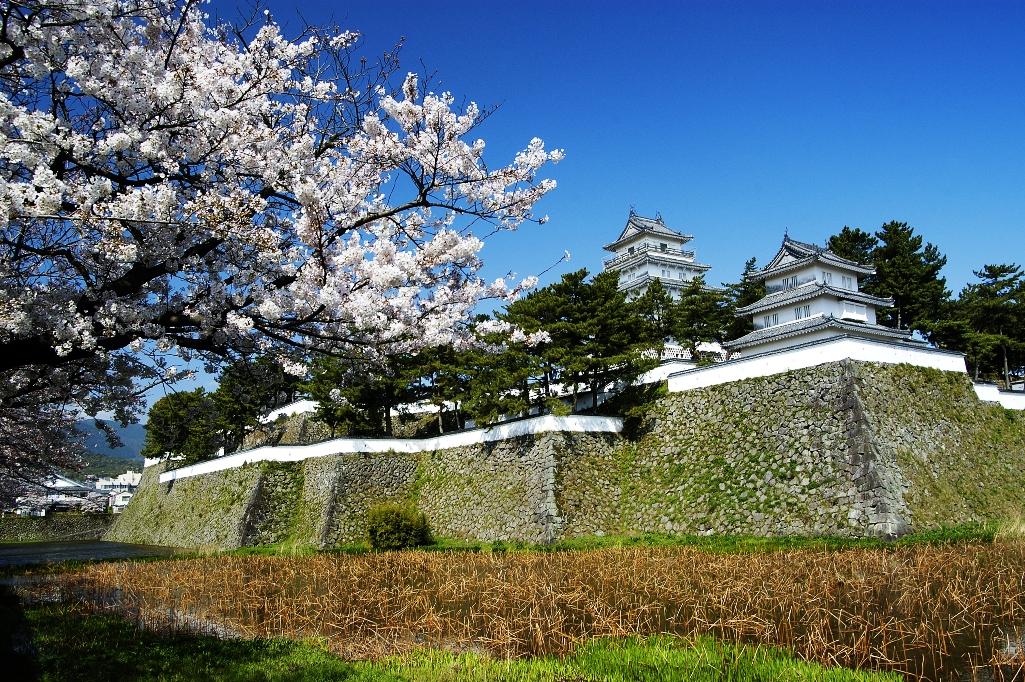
x: 29, y: 553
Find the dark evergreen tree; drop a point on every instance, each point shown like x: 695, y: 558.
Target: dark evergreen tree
x: 247, y: 389
x: 993, y: 315
x: 909, y: 272
x: 616, y: 341
x: 701, y: 315
x: 555, y: 312
x: 356, y: 397
x: 498, y: 380
x: 596, y: 338
x: 655, y: 307
x: 440, y: 376
x: 744, y: 292
x: 854, y: 244
x: 185, y: 425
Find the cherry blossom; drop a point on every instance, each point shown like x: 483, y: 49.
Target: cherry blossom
x: 173, y: 187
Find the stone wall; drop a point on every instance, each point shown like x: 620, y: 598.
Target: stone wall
x: 845, y: 448
x: 961, y: 460
x: 504, y: 490
x: 779, y: 455
x: 208, y: 512
x: 54, y: 527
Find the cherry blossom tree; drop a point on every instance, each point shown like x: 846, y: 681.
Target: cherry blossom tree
x: 172, y: 187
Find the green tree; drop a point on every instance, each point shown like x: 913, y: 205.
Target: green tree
x: 247, y: 389
x: 909, y: 271
x: 439, y: 376
x: 655, y: 307
x: 616, y: 341
x: 740, y: 294
x: 854, y: 244
x: 356, y: 397
x: 701, y: 315
x: 552, y: 310
x: 496, y: 384
x: 993, y: 311
x: 596, y: 338
x: 183, y: 425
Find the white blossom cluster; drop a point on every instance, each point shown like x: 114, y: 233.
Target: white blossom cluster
x: 203, y: 188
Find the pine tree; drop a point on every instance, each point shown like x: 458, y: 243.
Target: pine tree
x: 439, y: 376
x: 246, y: 389
x: 910, y: 273
x: 994, y: 310
x: 497, y: 379
x: 546, y: 309
x: 357, y: 397
x: 183, y: 424
x: 701, y: 315
x: 655, y: 308
x: 854, y: 244
x: 616, y: 341
x: 740, y: 294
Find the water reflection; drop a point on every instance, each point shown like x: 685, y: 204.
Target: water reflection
x: 29, y: 553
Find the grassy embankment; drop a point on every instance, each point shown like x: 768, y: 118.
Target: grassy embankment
x: 718, y: 544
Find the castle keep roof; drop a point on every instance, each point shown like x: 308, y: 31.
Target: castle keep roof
x: 794, y: 255
x: 639, y: 226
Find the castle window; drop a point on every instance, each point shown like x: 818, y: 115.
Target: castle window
x: 827, y: 277
x: 790, y: 282
x: 802, y: 311
x: 663, y: 246
x: 771, y: 319
x: 847, y: 283
x: 854, y: 311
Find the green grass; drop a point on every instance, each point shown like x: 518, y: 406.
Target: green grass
x: 73, y: 645
x: 720, y: 544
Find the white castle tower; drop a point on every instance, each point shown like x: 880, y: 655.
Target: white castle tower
x: 647, y: 250
x: 811, y: 295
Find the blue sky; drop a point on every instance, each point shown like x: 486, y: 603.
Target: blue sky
x: 736, y: 120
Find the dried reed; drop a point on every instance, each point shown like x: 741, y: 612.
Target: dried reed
x: 930, y: 612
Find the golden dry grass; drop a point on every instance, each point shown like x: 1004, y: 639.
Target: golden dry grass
x: 921, y: 610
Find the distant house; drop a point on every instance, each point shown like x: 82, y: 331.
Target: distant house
x: 59, y: 493
x: 118, y: 501
x: 127, y: 481
x: 119, y: 489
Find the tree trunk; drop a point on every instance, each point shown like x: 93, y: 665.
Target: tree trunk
x: 441, y: 416
x: 1007, y: 370
x: 387, y: 420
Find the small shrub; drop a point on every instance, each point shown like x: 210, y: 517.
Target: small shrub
x: 397, y: 526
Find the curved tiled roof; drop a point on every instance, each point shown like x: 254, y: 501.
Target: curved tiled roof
x: 806, y: 254
x: 812, y: 290
x: 810, y: 324
x: 639, y: 225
